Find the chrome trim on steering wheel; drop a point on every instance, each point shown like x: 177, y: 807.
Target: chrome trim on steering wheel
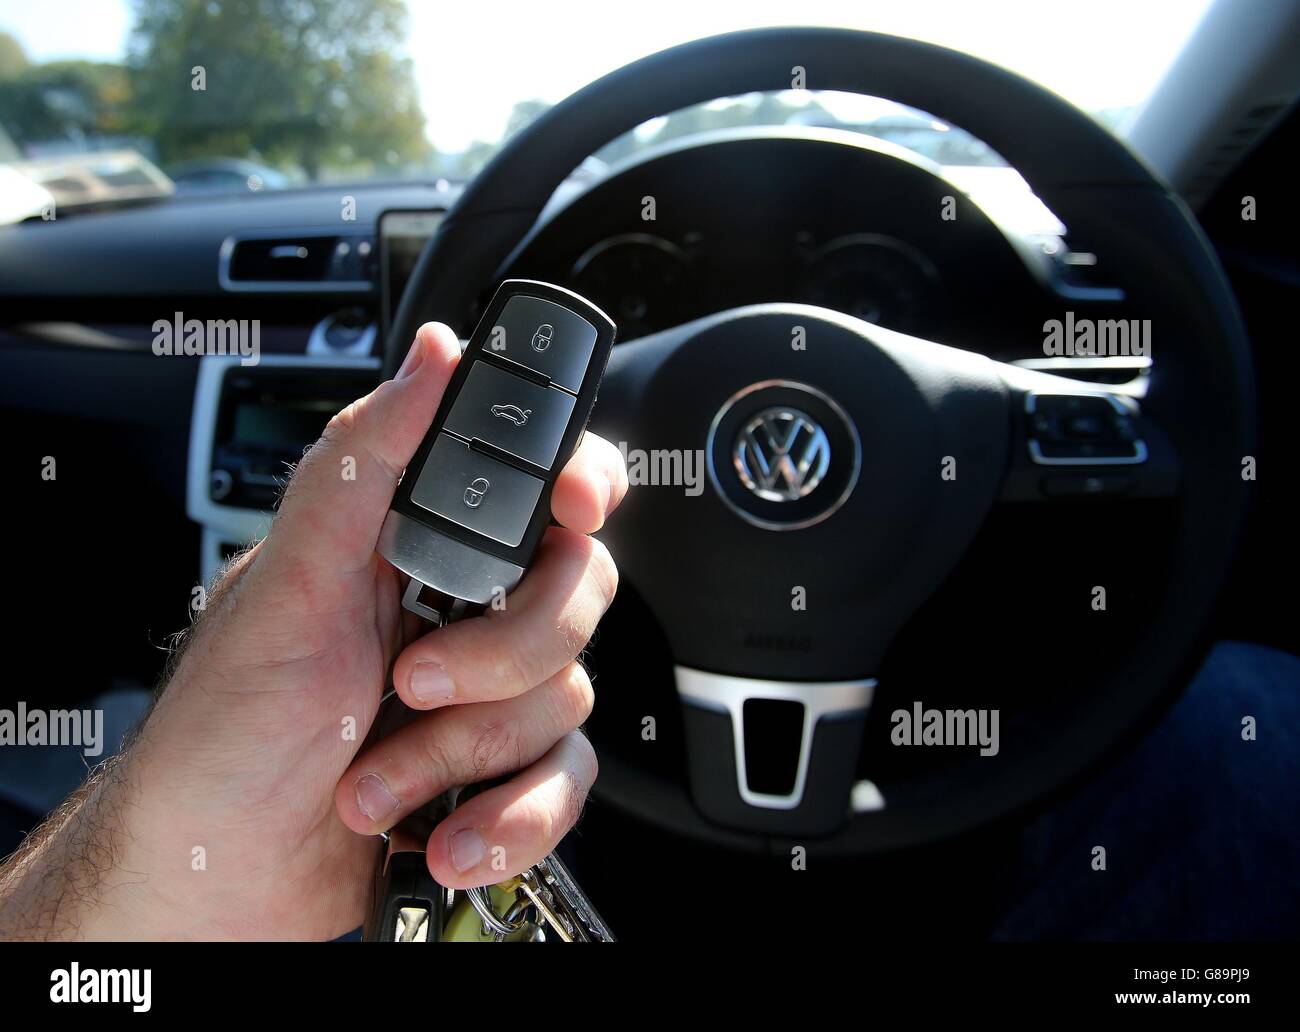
x: 729, y: 694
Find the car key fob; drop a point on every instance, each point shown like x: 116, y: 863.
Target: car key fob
x: 475, y: 500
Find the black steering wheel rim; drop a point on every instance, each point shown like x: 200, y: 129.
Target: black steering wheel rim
x: 1203, y: 392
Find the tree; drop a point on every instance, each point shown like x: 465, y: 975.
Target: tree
x: 469, y: 162
x: 522, y: 115
x: 64, y: 100
x: 13, y: 59
x: 308, y: 82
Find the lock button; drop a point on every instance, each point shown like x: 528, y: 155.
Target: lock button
x: 476, y: 491
x: 542, y: 337
x: 545, y: 338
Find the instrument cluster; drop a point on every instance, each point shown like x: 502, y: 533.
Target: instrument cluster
x: 647, y: 283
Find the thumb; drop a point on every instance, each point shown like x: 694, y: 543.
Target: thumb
x: 335, y: 504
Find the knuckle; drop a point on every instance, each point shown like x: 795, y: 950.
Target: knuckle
x: 337, y: 430
x: 349, y: 430
x: 614, y: 465
x: 577, y: 695
x: 554, y: 812
x: 497, y: 746
x: 588, y: 603
x: 517, y: 667
x: 572, y: 797
x: 341, y: 423
x: 620, y: 473
x: 602, y: 571
x: 588, y: 765
x: 344, y: 422
x: 573, y: 631
x: 537, y: 821
x: 437, y: 764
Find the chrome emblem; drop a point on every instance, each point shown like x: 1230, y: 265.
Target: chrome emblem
x: 781, y: 454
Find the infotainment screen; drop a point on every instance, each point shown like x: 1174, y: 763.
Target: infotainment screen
x: 267, y: 416
x: 287, y: 423
x: 402, y: 235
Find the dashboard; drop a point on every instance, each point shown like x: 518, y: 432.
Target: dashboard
x: 706, y: 223
x: 701, y: 225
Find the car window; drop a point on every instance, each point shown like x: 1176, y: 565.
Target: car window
x: 231, y: 96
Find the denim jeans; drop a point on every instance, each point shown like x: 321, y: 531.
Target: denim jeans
x: 1201, y: 828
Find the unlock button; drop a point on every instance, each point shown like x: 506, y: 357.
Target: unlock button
x: 476, y: 491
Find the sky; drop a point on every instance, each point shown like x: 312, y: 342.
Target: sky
x: 475, y: 58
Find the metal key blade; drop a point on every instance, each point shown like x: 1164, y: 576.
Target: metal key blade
x: 561, y: 903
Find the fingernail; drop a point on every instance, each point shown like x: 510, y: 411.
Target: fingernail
x: 412, y: 361
x: 373, y: 797
x: 467, y: 849
x: 430, y: 682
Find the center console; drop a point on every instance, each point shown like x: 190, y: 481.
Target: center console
x: 252, y: 423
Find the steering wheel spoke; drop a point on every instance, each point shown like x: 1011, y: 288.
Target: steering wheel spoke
x: 776, y: 757
x: 1073, y: 441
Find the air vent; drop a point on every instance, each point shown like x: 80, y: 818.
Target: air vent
x: 302, y: 261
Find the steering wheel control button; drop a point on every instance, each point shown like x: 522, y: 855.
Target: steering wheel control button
x: 1083, y: 430
x: 1108, y: 485
x: 508, y: 412
x: 474, y: 502
x: 476, y: 491
x: 546, y: 338
x: 783, y: 455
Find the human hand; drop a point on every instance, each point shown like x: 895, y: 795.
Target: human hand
x: 243, y: 809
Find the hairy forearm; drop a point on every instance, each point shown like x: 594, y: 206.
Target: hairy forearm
x: 66, y: 881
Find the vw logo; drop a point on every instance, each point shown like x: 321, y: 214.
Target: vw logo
x: 781, y: 454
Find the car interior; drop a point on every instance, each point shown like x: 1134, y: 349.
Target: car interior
x: 1056, y: 535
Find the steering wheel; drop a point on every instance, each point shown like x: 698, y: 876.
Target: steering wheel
x: 858, y: 468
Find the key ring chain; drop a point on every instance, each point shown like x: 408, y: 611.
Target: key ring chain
x: 482, y: 904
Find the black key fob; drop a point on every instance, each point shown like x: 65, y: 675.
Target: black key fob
x: 475, y: 500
